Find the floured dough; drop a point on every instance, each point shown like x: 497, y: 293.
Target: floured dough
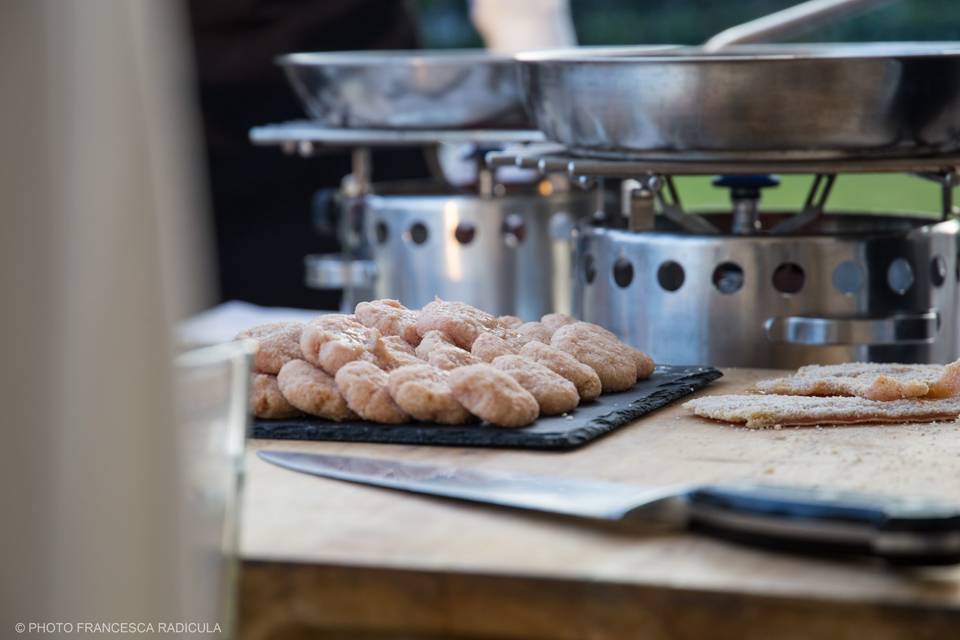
x: 874, y: 381
x: 762, y: 411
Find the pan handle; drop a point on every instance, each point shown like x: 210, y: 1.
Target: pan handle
x: 789, y: 22
x: 895, y: 329
x: 333, y: 271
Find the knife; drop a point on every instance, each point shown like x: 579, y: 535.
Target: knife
x: 809, y: 521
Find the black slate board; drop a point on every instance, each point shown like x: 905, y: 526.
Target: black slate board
x: 588, y: 422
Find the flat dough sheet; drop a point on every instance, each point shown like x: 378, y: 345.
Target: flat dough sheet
x: 873, y: 381
x: 764, y: 411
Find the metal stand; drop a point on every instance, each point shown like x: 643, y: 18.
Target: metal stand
x: 644, y: 181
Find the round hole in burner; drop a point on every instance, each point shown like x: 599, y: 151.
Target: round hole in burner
x: 589, y: 269
x: 728, y: 277
x: 788, y: 278
x: 848, y: 277
x: 514, y: 230
x: 381, y: 231
x: 622, y: 272
x: 465, y: 232
x: 418, y: 233
x: 900, y: 276
x: 670, y: 275
x: 938, y: 271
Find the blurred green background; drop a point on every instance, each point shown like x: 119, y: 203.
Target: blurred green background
x: 445, y: 24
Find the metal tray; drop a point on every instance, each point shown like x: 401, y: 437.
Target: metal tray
x: 797, y: 102
x: 442, y: 89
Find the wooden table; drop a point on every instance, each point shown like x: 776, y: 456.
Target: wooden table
x: 333, y: 560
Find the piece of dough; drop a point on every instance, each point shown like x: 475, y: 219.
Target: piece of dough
x: 364, y: 387
x: 330, y: 341
x: 874, y: 381
x: 554, y: 393
x: 487, y: 346
x: 392, y: 352
x: 460, y: 322
x: 266, y: 400
x: 583, y: 377
x: 390, y: 318
x: 762, y: 411
x: 449, y: 357
x: 493, y: 395
x: 422, y: 391
x: 553, y: 321
x: 510, y: 322
x: 429, y: 342
x: 312, y: 391
x: 277, y: 344
x: 601, y: 351
x: 535, y: 331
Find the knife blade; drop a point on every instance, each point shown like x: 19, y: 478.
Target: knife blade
x: 810, y: 521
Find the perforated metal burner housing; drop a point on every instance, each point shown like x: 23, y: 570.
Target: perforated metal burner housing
x: 506, y: 254
x: 850, y: 287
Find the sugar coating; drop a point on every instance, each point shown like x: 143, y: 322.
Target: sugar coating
x: 390, y: 318
x: 510, y: 322
x: 762, y: 411
x: 643, y: 362
x: 553, y: 321
x: 493, y: 395
x: 278, y: 343
x: 874, y: 381
x: 584, y: 378
x: 331, y: 341
x: 488, y: 346
x: 364, y: 387
x: 266, y: 400
x: 422, y: 391
x: 392, y: 352
x: 312, y: 391
x: 554, y: 393
x: 429, y: 341
x: 448, y: 357
x: 535, y: 331
x: 460, y: 322
x: 601, y: 351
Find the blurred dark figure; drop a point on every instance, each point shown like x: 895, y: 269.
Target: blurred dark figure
x: 261, y: 197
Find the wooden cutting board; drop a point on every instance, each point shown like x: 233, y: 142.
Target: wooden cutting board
x: 324, y: 556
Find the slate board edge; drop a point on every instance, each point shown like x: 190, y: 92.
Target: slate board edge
x: 667, y: 393
x: 598, y: 426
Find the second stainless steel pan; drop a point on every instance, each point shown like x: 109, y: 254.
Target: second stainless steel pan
x: 407, y: 89
x: 750, y: 101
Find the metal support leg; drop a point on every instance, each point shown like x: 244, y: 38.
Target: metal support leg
x: 812, y: 208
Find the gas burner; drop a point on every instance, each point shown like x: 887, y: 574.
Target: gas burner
x: 758, y: 288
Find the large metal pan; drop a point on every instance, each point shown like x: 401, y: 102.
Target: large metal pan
x: 407, y: 89
x: 750, y: 101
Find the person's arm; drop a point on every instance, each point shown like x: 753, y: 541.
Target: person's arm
x: 509, y: 25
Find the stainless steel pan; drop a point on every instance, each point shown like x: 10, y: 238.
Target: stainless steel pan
x: 407, y: 89
x: 749, y: 101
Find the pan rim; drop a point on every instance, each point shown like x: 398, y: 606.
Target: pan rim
x: 748, y: 53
